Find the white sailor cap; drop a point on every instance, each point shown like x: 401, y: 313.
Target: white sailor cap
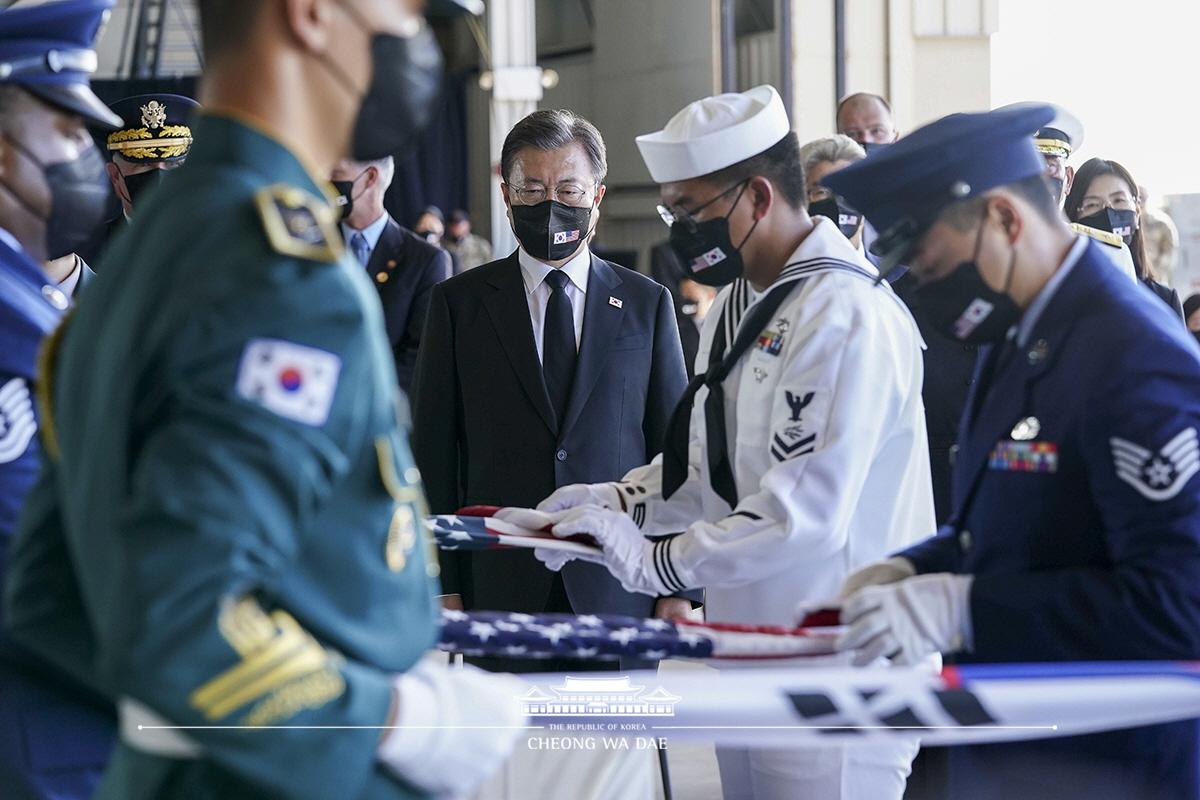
x: 1062, y: 136
x: 714, y: 133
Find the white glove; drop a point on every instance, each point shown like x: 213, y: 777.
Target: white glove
x: 909, y: 619
x: 896, y: 568
x: 455, y: 727
x: 605, y: 495
x: 627, y: 553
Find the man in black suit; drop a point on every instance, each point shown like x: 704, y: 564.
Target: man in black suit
x: 402, y: 265
x: 542, y: 369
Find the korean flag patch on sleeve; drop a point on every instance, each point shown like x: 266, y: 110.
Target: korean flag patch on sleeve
x: 1162, y: 475
x: 292, y: 380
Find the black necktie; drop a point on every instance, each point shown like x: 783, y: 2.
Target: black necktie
x: 675, y: 445
x: 558, y: 344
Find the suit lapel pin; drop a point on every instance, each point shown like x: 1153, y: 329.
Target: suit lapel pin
x: 381, y: 277
x: 760, y: 374
x: 1027, y: 429
x: 615, y: 302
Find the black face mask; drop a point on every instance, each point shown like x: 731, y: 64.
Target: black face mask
x: 1122, y: 222
x: 847, y: 219
x: 136, y: 185
x: 345, y: 198
x: 550, y: 230
x: 962, y: 306
x: 79, y: 192
x: 705, y: 249
x: 1056, y: 186
x: 406, y: 77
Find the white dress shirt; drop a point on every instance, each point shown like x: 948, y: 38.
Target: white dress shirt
x: 537, y: 291
x: 371, y: 233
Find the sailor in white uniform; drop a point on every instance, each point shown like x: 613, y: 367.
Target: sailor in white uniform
x: 806, y: 453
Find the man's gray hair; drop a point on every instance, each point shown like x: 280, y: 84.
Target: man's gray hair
x: 553, y: 129
x: 838, y: 147
x: 386, y: 167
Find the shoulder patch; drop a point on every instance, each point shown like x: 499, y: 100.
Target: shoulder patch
x: 292, y: 380
x: 298, y: 224
x: 1162, y: 475
x: 1101, y: 236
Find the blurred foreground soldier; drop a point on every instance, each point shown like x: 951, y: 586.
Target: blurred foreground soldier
x: 1076, y: 529
x: 55, y: 734
x: 805, y: 452
x: 155, y: 138
x: 227, y: 529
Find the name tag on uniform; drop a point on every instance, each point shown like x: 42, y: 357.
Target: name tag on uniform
x: 1024, y: 456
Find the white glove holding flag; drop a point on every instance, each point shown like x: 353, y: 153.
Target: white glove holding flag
x: 454, y: 728
x: 909, y: 619
x: 627, y: 553
x: 605, y: 495
x: 896, y: 568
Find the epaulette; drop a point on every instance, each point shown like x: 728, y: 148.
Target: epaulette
x: 1107, y: 237
x: 298, y: 224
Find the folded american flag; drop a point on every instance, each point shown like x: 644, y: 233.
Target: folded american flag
x: 474, y: 528
x: 609, y: 637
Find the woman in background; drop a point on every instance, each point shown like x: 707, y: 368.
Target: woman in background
x: 1104, y: 196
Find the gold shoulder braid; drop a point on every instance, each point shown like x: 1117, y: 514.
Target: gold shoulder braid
x: 44, y: 386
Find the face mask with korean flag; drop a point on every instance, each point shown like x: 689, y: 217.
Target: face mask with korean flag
x: 707, y: 252
x: 550, y: 230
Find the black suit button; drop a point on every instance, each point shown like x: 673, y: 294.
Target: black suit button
x: 970, y: 381
x: 561, y: 455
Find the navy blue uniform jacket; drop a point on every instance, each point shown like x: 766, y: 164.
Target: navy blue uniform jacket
x: 1097, y: 558
x: 55, y: 735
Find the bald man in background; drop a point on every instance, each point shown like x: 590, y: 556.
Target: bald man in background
x: 867, y: 119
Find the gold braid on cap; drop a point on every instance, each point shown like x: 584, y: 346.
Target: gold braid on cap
x: 1053, y: 147
x: 172, y: 141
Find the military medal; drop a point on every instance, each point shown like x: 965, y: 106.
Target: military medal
x: 1027, y: 429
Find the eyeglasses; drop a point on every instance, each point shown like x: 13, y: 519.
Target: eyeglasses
x: 684, y: 216
x: 1094, y: 206
x: 567, y: 194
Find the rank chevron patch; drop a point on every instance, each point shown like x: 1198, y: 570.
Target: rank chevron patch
x: 1162, y: 475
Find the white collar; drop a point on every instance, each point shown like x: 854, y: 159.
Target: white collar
x: 1032, y: 314
x: 371, y: 233
x: 533, y: 272
x: 827, y: 241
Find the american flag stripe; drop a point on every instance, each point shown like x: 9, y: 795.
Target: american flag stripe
x: 609, y: 637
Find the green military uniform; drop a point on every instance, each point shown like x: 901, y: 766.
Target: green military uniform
x: 227, y: 530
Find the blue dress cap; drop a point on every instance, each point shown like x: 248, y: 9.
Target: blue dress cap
x: 904, y: 189
x: 47, y: 49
